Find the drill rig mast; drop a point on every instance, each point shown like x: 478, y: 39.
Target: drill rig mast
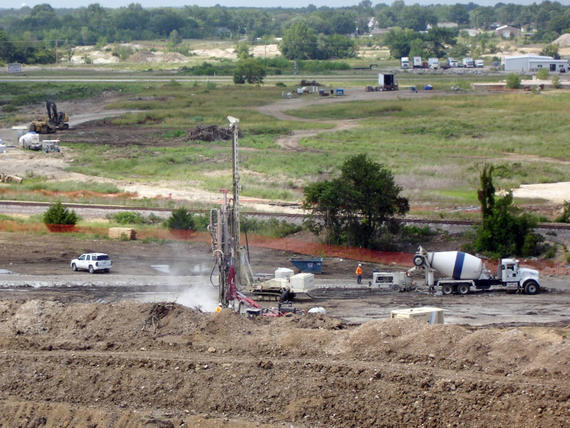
x: 231, y: 260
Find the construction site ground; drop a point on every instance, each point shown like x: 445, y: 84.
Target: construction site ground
x: 139, y: 347
x: 127, y: 349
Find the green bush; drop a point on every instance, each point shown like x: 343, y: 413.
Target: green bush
x: 58, y: 214
x: 271, y: 227
x: 556, y: 82
x: 180, y: 219
x: 129, y: 217
x: 564, y: 216
x: 542, y: 74
x: 513, y: 81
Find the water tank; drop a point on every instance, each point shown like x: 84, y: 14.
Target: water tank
x: 456, y: 264
x: 283, y: 273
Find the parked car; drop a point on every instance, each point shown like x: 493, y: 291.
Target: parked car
x: 92, y: 262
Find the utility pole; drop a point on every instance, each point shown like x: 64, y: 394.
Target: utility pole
x: 234, y: 123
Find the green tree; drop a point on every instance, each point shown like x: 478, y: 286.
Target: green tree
x: 250, y: 71
x: 299, y: 42
x: 174, y: 38
x: 551, y: 50
x: 242, y: 51
x: 504, y: 230
x: 180, y: 219
x: 358, y: 206
x: 58, y: 214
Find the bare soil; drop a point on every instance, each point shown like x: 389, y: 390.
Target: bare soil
x: 85, y: 350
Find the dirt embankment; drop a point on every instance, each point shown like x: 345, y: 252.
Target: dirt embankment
x: 164, y: 365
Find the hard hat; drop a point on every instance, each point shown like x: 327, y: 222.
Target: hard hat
x: 359, y: 264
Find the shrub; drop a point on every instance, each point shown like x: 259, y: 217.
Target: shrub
x: 564, y: 216
x: 180, y: 219
x: 513, y: 81
x: 129, y: 217
x: 542, y: 74
x: 271, y: 227
x: 556, y: 82
x: 58, y: 214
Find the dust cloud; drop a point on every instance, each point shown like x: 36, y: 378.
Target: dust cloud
x: 203, y: 297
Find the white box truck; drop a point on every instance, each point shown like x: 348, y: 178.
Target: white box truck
x: 433, y: 63
x: 405, y: 62
x: 418, y: 62
x: 468, y: 62
x: 479, y: 63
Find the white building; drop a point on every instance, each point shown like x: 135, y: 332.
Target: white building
x: 533, y: 63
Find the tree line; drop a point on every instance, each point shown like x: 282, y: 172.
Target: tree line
x: 32, y: 34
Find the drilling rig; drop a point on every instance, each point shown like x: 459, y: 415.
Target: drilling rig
x: 230, y: 258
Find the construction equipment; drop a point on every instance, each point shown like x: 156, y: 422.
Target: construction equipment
x: 54, y: 121
x: 461, y: 271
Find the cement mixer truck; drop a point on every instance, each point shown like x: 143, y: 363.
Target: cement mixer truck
x: 460, y: 271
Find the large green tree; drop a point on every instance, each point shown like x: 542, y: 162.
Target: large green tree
x: 505, y: 230
x: 299, y: 42
x: 357, y: 207
x: 250, y: 71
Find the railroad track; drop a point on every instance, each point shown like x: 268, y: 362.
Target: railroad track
x: 98, y: 210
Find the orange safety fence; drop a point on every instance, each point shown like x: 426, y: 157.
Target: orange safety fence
x: 299, y: 246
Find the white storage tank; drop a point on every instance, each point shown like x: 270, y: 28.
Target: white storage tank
x: 456, y: 264
x: 283, y: 273
x: 302, y: 282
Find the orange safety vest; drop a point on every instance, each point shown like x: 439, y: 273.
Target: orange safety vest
x: 358, y: 270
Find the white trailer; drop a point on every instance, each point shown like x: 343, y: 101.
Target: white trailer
x: 418, y: 62
x: 452, y: 62
x: 461, y: 271
x: 433, y: 63
x: 387, y: 82
x: 468, y: 62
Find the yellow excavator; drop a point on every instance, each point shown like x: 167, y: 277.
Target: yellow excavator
x: 54, y: 121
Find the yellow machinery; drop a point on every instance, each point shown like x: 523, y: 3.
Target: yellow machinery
x: 53, y: 122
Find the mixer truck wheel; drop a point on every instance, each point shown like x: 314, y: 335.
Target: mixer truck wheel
x: 447, y: 289
x: 463, y: 289
x: 418, y: 260
x: 531, y: 287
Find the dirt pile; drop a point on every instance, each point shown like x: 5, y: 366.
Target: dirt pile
x: 210, y: 133
x: 164, y: 365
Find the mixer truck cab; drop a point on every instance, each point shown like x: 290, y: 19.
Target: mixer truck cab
x: 459, y: 271
x: 511, y: 274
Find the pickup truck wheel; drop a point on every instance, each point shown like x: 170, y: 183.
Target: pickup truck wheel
x: 396, y: 287
x: 74, y: 267
x: 447, y: 289
x: 91, y: 270
x: 463, y: 289
x: 531, y: 287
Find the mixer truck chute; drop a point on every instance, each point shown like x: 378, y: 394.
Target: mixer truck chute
x: 460, y: 271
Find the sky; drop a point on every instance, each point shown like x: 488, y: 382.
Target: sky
x: 259, y: 3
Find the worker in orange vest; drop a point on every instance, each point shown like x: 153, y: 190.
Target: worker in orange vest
x: 359, y: 273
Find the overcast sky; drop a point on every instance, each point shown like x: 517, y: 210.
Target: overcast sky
x: 258, y: 3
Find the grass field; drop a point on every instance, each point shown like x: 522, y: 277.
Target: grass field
x: 435, y: 146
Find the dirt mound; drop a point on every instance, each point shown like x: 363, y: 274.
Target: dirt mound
x: 146, y: 56
x: 563, y: 41
x: 166, y: 365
